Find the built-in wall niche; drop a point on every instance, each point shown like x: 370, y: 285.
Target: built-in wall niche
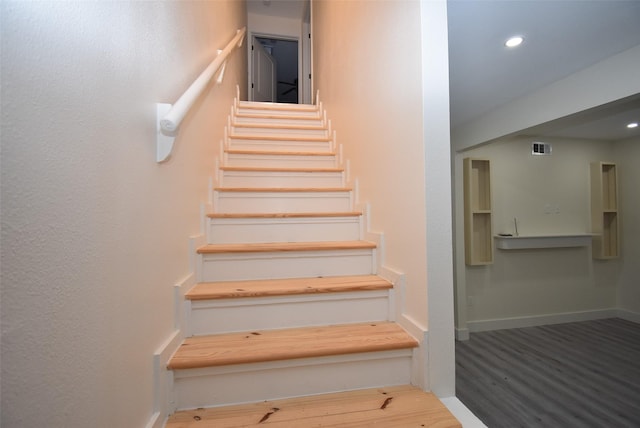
x: 477, y: 211
x: 604, y: 210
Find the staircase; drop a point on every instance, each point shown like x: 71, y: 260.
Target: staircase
x: 288, y: 303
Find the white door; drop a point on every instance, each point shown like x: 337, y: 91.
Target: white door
x: 263, y: 73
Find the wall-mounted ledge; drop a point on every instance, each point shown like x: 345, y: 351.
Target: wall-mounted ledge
x: 542, y: 241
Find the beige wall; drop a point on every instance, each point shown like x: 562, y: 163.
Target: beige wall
x: 94, y: 231
x: 547, y: 195
x: 367, y: 67
x: 627, y: 154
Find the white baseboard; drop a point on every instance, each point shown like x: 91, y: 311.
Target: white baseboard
x: 629, y: 315
x: 462, y: 413
x: 537, y: 320
x: 462, y: 334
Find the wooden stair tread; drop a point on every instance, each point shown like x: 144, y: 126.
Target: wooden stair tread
x: 285, y: 246
x: 279, y: 169
x: 276, y: 345
x: 285, y: 215
x: 279, y: 126
x: 283, y: 189
x: 284, y: 287
x: 276, y: 153
x: 281, y: 137
x: 388, y: 407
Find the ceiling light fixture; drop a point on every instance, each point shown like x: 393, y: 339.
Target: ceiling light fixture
x: 632, y: 125
x: 514, y: 41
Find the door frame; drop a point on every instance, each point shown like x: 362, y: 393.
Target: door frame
x: 253, y: 34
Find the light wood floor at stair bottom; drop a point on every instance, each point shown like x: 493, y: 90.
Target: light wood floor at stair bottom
x: 390, y: 407
x: 276, y: 345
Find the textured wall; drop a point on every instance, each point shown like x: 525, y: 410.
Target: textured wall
x: 94, y: 232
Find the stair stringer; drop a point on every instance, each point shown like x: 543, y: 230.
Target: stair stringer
x: 164, y: 402
x: 397, y: 300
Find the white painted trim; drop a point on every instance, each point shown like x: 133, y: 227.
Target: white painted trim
x: 462, y: 334
x: 462, y: 413
x: 195, y: 263
x: 300, y: 362
x: 205, y: 208
x: 420, y: 358
x: 629, y: 315
x: 163, y: 402
x: 396, y: 296
x: 538, y: 320
x: 303, y: 298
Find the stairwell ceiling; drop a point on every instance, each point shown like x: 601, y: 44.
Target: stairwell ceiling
x: 294, y: 9
x: 561, y: 37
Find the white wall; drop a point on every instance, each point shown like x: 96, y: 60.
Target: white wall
x: 368, y: 67
x: 627, y: 154
x: 547, y: 195
x: 94, y: 231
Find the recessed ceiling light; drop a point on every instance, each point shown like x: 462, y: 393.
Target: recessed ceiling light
x: 514, y: 41
x: 632, y: 125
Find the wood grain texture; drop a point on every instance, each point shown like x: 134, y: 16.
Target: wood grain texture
x: 275, y: 345
x: 399, y: 406
x: 285, y: 215
x: 583, y: 374
x: 276, y: 152
x: 283, y: 287
x: 280, y: 137
x: 283, y: 189
x: 285, y: 247
x: 278, y: 169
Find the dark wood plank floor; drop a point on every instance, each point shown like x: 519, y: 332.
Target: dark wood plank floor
x: 583, y: 374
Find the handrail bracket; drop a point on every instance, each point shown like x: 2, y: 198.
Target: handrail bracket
x: 169, y: 116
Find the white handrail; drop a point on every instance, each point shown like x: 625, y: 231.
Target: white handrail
x: 169, y: 117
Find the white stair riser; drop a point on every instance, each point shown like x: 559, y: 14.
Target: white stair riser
x: 280, y: 202
x: 288, y: 264
x: 253, y: 230
x: 296, y: 121
x: 290, y: 132
x: 280, y: 145
x: 220, y: 386
x: 267, y: 179
x: 282, y: 161
x: 277, y: 312
x: 303, y: 113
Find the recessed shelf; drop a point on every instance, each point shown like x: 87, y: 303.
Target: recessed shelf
x: 604, y: 210
x: 542, y: 241
x: 477, y: 212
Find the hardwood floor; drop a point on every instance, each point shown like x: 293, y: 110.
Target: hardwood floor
x: 389, y: 407
x: 583, y: 374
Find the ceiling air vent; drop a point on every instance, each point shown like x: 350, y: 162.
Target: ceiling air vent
x: 538, y: 148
